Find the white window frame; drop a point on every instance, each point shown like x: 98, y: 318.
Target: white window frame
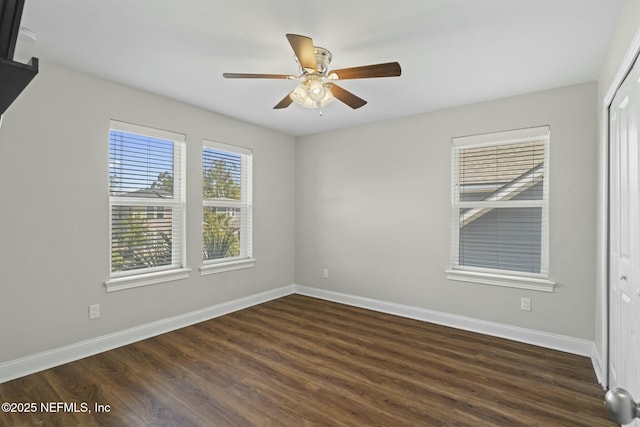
x: 245, y: 204
x: 177, y: 270
x: 492, y: 276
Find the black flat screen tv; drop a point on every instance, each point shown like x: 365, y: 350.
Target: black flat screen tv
x: 14, y: 76
x: 10, y: 16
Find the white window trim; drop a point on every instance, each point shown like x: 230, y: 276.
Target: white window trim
x: 144, y: 279
x: 499, y: 278
x: 245, y: 259
x: 496, y: 277
x: 146, y: 131
x: 228, y: 264
x: 131, y: 279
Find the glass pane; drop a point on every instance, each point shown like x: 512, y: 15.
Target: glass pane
x: 502, y: 172
x: 501, y: 238
x: 221, y: 174
x: 140, y: 166
x: 220, y: 232
x: 140, y: 237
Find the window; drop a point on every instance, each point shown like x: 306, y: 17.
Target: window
x: 146, y: 203
x: 500, y: 209
x: 226, y: 208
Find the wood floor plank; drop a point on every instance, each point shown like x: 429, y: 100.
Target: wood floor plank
x: 386, y: 370
x: 300, y: 361
x: 448, y: 367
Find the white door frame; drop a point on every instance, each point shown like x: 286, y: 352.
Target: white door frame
x: 602, y: 280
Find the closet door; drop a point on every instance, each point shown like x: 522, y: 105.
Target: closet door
x: 624, y: 238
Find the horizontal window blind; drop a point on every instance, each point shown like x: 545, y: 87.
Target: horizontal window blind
x: 140, y: 166
x: 221, y: 232
x: 146, y: 182
x: 504, y: 239
x: 227, y: 202
x: 138, y: 240
x: 500, y: 202
x: 222, y: 175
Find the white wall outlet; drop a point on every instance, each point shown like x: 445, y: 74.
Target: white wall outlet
x: 325, y: 273
x: 525, y: 304
x: 94, y: 311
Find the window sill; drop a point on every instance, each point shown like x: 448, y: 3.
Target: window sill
x: 222, y: 266
x: 121, y: 283
x: 530, y: 283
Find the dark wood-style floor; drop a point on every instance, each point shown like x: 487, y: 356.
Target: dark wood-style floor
x: 299, y: 361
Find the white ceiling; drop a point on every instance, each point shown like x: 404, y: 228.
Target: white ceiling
x: 452, y: 52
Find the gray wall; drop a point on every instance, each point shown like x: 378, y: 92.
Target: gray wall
x: 373, y: 206
x: 370, y: 203
x: 54, y: 247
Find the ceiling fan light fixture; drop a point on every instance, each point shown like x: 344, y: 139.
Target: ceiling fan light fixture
x: 317, y: 90
x: 299, y: 94
x: 312, y: 94
x: 327, y: 99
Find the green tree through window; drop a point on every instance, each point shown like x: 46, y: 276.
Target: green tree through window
x: 135, y: 244
x: 226, y: 198
x: 146, y: 200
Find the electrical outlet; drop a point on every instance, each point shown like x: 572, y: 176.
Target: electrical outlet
x: 525, y: 304
x: 94, y: 311
x: 325, y: 273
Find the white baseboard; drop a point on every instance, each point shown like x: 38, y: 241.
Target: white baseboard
x: 596, y: 361
x: 38, y: 362
x: 528, y: 336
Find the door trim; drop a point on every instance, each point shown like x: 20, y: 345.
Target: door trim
x: 602, y: 234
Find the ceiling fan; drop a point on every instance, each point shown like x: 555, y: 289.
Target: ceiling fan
x: 317, y: 86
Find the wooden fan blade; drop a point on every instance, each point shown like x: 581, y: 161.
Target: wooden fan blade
x: 256, y: 76
x: 303, y: 48
x: 388, y: 69
x: 286, y: 101
x: 347, y: 97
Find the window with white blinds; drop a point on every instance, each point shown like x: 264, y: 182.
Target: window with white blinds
x: 500, y: 203
x: 227, y: 205
x: 146, y: 200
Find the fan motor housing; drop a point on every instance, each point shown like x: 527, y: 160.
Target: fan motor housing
x: 323, y: 59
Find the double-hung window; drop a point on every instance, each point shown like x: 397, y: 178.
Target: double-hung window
x: 226, y: 207
x: 500, y: 209
x: 147, y: 206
